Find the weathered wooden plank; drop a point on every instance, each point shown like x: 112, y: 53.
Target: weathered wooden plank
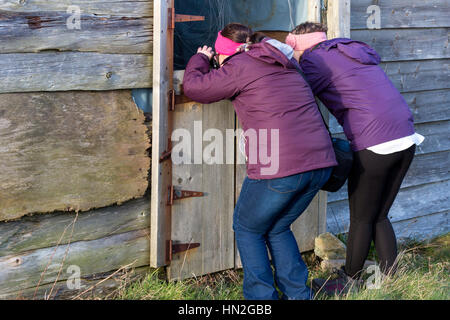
x: 47, y: 230
x: 206, y: 220
x: 435, y: 133
x: 424, y: 227
x: 161, y: 172
x: 22, y: 32
x: 410, y: 203
x: 130, y: 8
x: 314, y: 11
x: 402, y: 13
x: 338, y: 19
x: 23, y: 271
x: 70, y: 151
x: 429, y: 106
x: 406, y: 44
x: 240, y: 172
x: 104, y: 285
x: 63, y: 71
x: 410, y: 76
x: 306, y: 227
x: 425, y: 168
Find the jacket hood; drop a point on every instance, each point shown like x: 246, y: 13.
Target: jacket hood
x: 273, y: 52
x: 355, y: 50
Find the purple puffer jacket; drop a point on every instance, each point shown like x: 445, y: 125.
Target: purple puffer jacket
x: 345, y: 75
x: 267, y: 93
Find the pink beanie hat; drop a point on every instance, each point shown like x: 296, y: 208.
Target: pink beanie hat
x: 301, y: 42
x: 226, y: 46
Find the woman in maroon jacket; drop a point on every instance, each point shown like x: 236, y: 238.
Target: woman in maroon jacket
x: 278, y: 112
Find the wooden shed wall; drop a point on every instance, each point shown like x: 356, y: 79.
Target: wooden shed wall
x: 413, y: 43
x: 62, y: 149
x: 111, y: 50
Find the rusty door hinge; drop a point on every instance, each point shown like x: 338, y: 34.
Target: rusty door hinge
x: 165, y: 156
x: 174, y: 248
x: 173, y: 17
x: 180, y: 194
x: 171, y: 100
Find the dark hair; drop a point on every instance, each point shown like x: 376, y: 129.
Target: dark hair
x: 309, y: 27
x: 241, y: 34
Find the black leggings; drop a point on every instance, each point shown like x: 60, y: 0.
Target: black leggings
x: 373, y: 185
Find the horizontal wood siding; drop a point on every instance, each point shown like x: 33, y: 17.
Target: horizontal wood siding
x: 40, y: 31
x: 407, y: 44
x: 47, y: 230
x: 103, y: 240
x: 22, y: 271
x: 412, y: 202
x: 130, y: 8
x: 413, y: 44
x: 403, y: 13
x: 104, y: 285
x: 419, y: 75
x: 111, y: 50
x: 63, y: 71
x: 425, y: 168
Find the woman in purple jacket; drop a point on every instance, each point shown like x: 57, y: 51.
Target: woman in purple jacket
x: 278, y: 112
x: 345, y: 75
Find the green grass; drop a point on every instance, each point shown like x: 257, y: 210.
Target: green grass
x: 423, y: 274
x: 225, y: 285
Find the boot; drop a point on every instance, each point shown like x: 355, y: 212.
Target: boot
x: 343, y: 284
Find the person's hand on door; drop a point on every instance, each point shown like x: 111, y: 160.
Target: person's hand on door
x: 207, y: 51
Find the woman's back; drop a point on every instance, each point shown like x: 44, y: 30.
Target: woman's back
x: 345, y: 75
x: 271, y: 98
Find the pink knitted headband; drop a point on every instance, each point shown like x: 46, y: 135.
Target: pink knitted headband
x: 226, y: 46
x: 301, y: 42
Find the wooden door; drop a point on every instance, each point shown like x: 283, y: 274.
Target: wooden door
x: 193, y: 235
x: 203, y: 223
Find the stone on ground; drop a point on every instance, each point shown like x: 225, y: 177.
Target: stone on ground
x: 328, y: 247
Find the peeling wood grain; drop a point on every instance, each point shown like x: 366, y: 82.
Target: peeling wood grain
x: 403, y: 13
x: 63, y: 71
x: 70, y: 151
x: 22, y: 32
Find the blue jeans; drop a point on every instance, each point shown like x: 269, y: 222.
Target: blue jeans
x: 262, y: 219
